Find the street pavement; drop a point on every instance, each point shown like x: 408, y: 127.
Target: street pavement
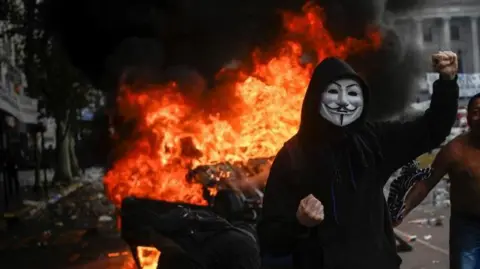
x: 430, y: 241
x: 430, y: 248
x: 77, y: 229
x: 431, y: 245
x: 79, y: 232
x: 27, y: 198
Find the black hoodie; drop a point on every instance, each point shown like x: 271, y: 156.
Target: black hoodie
x: 346, y: 169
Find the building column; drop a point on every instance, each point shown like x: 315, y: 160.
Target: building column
x: 475, y: 48
x: 446, y: 33
x: 419, y: 33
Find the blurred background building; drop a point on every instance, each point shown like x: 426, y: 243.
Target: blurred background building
x: 444, y: 25
x: 18, y: 111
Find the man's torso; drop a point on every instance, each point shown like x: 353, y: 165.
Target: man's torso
x: 464, y: 176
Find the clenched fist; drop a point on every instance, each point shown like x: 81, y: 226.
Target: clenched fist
x: 310, y: 211
x: 445, y: 63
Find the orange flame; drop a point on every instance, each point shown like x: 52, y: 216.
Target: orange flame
x: 147, y: 257
x: 176, y: 134
x: 250, y: 115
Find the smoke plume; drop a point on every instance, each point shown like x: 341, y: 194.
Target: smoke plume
x: 106, y: 38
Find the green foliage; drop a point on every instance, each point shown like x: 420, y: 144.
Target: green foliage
x: 50, y: 74
x: 62, y: 84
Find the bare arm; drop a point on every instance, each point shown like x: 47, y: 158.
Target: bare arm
x: 419, y: 191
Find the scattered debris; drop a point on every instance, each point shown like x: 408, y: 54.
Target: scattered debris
x: 412, y: 238
x: 419, y: 221
x: 436, y: 221
x: 441, y: 197
x: 105, y: 218
x: 427, y: 237
x: 429, y: 221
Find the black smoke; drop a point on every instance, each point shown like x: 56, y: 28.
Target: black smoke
x: 150, y: 38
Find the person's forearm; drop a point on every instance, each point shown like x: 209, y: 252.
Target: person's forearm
x: 442, y: 113
x: 416, y: 196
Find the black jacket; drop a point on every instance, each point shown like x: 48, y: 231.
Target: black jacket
x: 346, y: 169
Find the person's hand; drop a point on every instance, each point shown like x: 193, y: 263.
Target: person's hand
x: 401, y: 216
x: 396, y: 223
x: 446, y: 64
x: 310, y: 211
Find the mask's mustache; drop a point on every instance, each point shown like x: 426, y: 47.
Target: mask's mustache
x: 341, y: 108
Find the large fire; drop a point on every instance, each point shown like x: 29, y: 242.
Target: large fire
x: 250, y: 114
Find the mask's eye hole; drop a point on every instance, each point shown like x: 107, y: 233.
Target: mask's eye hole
x: 353, y: 93
x: 332, y: 91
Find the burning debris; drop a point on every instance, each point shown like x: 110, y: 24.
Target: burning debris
x: 211, y: 149
x: 248, y: 115
x: 234, y: 194
x: 186, y: 141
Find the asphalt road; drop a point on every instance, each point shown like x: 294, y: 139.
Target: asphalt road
x: 70, y: 235
x: 431, y: 246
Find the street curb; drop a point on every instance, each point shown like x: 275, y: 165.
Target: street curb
x: 31, y: 208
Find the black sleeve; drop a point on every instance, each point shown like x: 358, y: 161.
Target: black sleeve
x: 278, y: 229
x: 401, y: 142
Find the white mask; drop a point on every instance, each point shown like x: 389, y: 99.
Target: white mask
x: 342, y: 102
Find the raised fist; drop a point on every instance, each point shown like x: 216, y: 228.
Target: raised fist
x: 310, y: 211
x: 445, y: 63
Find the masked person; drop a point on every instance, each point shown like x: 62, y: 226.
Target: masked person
x: 460, y: 160
x: 324, y: 200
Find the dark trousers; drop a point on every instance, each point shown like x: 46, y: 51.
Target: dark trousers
x: 11, y: 185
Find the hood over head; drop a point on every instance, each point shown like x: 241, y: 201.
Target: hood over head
x: 314, y: 123
x: 334, y: 110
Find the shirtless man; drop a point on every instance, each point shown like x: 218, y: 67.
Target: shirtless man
x: 460, y: 159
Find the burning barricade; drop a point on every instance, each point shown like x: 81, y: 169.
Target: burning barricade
x: 210, y: 150
x: 234, y: 194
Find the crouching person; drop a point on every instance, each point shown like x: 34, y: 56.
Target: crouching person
x: 200, y: 239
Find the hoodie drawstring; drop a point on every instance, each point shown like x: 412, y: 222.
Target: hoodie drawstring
x: 332, y: 188
x: 334, y: 203
x: 350, y: 168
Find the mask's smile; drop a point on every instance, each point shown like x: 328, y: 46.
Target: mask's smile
x: 340, y: 109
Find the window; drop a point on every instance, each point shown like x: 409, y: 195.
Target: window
x: 427, y: 35
x: 460, y: 62
x: 455, y: 32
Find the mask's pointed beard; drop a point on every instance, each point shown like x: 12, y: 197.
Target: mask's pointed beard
x: 341, y: 120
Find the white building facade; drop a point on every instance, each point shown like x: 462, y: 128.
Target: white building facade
x: 444, y: 25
